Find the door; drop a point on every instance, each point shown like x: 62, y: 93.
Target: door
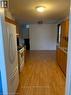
x: 27, y: 44
x: 11, y: 58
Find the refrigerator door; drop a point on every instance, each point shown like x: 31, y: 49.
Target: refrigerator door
x: 11, y: 57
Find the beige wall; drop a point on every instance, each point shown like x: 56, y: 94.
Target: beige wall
x: 43, y: 37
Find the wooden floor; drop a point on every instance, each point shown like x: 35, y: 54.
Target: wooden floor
x: 41, y: 75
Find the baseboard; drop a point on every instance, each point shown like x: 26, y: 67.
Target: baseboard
x: 43, y: 51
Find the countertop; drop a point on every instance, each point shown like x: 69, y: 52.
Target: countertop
x: 63, y: 49
x: 20, y: 47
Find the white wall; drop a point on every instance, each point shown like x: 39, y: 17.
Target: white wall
x: 43, y: 37
x: 68, y: 74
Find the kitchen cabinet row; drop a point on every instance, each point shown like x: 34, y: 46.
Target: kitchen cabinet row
x: 63, y: 46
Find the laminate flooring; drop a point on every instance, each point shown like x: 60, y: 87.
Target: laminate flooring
x: 41, y: 75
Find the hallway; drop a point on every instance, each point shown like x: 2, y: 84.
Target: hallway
x: 41, y: 75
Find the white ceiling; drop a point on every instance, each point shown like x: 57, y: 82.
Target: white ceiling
x: 24, y: 10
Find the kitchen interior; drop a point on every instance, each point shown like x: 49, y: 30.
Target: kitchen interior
x: 61, y: 51
x: 22, y: 45
x: 62, y: 44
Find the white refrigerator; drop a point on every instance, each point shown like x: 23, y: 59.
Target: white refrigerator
x: 11, y: 58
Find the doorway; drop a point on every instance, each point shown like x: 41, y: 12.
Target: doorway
x: 27, y: 43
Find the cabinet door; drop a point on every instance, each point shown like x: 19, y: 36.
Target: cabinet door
x: 64, y: 63
x: 64, y: 33
x: 59, y: 58
x: 63, y: 26
x: 62, y: 60
x: 67, y: 28
x: 62, y: 42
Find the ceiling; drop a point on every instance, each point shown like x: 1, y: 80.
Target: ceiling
x: 24, y: 10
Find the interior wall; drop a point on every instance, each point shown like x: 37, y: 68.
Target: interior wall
x: 68, y: 74
x: 25, y: 31
x: 43, y: 36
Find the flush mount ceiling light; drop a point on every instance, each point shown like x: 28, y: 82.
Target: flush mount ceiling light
x: 40, y: 9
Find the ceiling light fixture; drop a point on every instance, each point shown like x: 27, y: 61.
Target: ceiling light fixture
x: 40, y: 9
